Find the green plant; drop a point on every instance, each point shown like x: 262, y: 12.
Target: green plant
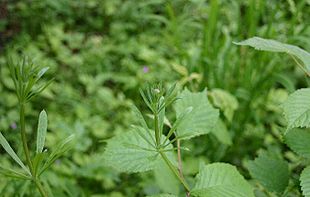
x: 143, y: 149
x: 26, y: 77
x: 297, y: 134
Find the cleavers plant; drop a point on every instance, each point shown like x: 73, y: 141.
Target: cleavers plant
x: 26, y: 78
x: 148, y: 147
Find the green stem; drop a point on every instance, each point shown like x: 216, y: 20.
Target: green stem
x: 26, y: 150
x: 40, y: 188
x: 175, y: 171
x: 157, y: 133
x: 23, y: 136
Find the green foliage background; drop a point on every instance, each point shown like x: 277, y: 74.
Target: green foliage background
x: 101, y: 52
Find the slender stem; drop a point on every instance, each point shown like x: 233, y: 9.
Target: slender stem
x: 40, y: 188
x: 157, y: 133
x: 26, y: 150
x: 175, y: 171
x: 180, y: 168
x: 23, y: 136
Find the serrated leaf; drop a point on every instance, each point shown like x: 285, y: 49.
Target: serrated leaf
x: 271, y: 171
x: 275, y: 46
x: 221, y: 133
x: 299, y: 141
x: 200, y: 120
x: 221, y: 180
x: 305, y: 181
x: 41, y: 131
x: 11, y: 152
x: 134, y: 151
x: 297, y: 109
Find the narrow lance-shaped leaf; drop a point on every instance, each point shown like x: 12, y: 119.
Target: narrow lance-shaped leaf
x: 41, y: 132
x: 275, y: 46
x: 11, y: 152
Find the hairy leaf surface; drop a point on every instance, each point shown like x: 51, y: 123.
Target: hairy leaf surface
x: 200, y: 120
x: 221, y: 180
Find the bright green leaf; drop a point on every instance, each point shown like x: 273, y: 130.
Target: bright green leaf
x: 221, y: 180
x: 200, y: 120
x: 11, y: 152
x: 221, y: 133
x: 134, y: 151
x: 299, y: 141
x: 297, y: 109
x: 270, y: 171
x: 305, y: 181
x: 41, y: 132
x: 275, y: 46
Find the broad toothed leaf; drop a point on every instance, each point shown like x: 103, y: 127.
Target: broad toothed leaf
x: 200, y: 120
x: 297, y: 109
x: 305, y: 181
x: 299, y: 141
x: 134, y: 151
x: 270, y: 171
x: 221, y: 180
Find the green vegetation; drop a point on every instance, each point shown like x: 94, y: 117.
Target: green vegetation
x: 213, y: 117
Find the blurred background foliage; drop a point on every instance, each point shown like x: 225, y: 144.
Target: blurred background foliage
x: 101, y: 52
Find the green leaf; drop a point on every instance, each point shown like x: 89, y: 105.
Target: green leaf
x: 134, y: 151
x: 297, y: 109
x: 200, y: 120
x: 221, y: 133
x: 270, y: 171
x: 61, y: 147
x: 166, y: 180
x: 305, y: 181
x: 11, y: 152
x: 13, y: 173
x: 41, y: 132
x: 221, y: 180
x: 275, y: 46
x: 299, y: 141
x: 225, y: 101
